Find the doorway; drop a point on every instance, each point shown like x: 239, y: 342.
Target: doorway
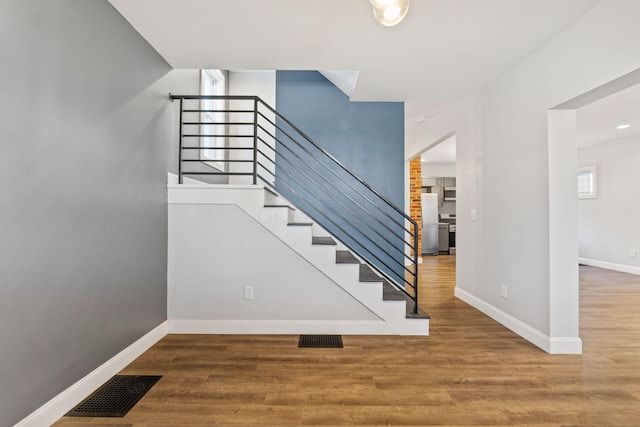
x: 433, y: 197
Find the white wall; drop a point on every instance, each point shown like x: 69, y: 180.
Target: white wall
x: 519, y: 176
x: 258, y: 83
x: 610, y: 225
x: 217, y: 250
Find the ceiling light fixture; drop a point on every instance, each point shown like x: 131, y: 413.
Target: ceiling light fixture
x: 624, y: 126
x: 390, y: 12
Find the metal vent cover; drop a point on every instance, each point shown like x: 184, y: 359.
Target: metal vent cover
x: 116, y: 397
x: 320, y: 341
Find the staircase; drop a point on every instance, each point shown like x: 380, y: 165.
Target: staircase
x: 346, y: 230
x: 315, y: 246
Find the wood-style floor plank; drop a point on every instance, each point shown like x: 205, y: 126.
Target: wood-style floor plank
x: 470, y: 371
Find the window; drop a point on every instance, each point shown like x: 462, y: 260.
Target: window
x: 212, y: 82
x: 587, y: 182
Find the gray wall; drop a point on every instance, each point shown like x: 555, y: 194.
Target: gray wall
x: 87, y: 139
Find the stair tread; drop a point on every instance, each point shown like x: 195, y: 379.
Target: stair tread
x: 368, y: 275
x: 300, y: 224
x: 391, y: 293
x: 411, y: 315
x: 316, y: 240
x: 346, y: 257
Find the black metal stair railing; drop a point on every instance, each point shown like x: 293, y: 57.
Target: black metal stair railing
x: 243, y: 140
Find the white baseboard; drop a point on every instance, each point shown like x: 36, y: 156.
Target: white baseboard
x: 610, y: 266
x: 565, y: 345
x: 281, y: 327
x: 51, y: 411
x: 555, y: 345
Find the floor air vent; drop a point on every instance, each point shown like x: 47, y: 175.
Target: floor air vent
x: 320, y: 341
x: 116, y: 397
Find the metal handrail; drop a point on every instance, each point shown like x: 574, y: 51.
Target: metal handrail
x: 293, y: 165
x: 323, y: 164
x: 306, y: 143
x: 336, y: 187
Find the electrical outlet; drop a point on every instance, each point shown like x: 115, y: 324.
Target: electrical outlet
x: 248, y: 292
x: 503, y: 291
x: 632, y: 254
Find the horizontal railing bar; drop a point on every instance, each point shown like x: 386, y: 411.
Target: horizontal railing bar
x: 218, y: 173
x: 227, y: 97
x: 217, y: 148
x: 351, y: 237
x: 216, y: 111
x: 215, y: 136
x: 338, y: 213
x: 383, y: 198
x: 323, y: 164
x: 218, y: 160
x: 367, y: 224
x: 218, y: 123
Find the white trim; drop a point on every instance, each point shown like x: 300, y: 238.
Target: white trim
x: 555, y: 345
x: 565, y: 345
x: 610, y: 266
x: 214, y: 187
x: 54, y: 409
x: 281, y: 327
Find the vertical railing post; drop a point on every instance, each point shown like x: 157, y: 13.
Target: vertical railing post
x: 415, y: 266
x: 255, y: 140
x: 180, y: 147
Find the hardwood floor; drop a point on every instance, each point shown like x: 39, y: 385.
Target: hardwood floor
x: 470, y: 371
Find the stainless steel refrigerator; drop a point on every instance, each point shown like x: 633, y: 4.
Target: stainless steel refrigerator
x: 429, y: 223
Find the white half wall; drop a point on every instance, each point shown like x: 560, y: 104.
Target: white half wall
x: 609, y: 224
x: 217, y: 250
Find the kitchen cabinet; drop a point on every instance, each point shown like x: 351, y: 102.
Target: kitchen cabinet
x: 429, y: 182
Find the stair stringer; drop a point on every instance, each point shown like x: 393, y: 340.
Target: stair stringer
x: 251, y: 199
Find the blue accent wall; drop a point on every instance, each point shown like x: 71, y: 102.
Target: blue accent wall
x: 368, y: 138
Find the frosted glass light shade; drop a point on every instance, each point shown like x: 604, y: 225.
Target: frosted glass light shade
x: 390, y: 12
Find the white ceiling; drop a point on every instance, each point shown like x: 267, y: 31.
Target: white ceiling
x: 445, y: 152
x: 442, y: 51
x: 597, y: 121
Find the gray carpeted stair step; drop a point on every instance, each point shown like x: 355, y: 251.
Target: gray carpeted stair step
x: 300, y: 224
x: 368, y: 275
x: 323, y: 241
x: 390, y: 293
x: 346, y: 257
x: 411, y: 315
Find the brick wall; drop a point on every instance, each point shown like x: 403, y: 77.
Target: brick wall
x: 415, y: 182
